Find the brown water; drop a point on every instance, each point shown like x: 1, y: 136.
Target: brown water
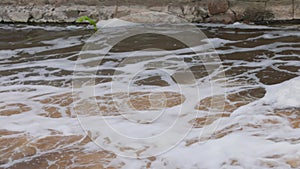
x: 257, y: 120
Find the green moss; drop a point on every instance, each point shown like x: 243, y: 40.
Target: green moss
x: 89, y: 20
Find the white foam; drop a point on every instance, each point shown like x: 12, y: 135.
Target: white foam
x: 284, y: 95
x: 236, y: 25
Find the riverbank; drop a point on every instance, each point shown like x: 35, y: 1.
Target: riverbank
x: 199, y: 11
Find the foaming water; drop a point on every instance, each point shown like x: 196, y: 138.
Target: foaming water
x: 254, y: 125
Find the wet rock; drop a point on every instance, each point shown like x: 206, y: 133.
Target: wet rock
x: 282, y: 10
x: 217, y: 6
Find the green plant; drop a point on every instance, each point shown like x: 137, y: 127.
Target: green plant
x: 89, y: 20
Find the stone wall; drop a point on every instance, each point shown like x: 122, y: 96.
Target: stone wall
x: 218, y: 11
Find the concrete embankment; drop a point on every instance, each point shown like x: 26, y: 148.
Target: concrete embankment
x: 216, y: 11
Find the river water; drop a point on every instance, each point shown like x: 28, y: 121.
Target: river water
x: 246, y: 112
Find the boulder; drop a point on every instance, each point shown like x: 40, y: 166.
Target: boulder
x: 36, y: 13
x: 19, y: 16
x: 217, y: 6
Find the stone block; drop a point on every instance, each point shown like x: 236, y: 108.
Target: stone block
x: 217, y: 6
x: 226, y: 18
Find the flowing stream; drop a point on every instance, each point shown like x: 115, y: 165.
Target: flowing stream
x: 243, y: 114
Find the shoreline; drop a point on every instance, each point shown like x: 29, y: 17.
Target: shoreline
x: 196, y: 11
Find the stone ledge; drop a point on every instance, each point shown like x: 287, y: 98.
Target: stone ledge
x: 220, y: 11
